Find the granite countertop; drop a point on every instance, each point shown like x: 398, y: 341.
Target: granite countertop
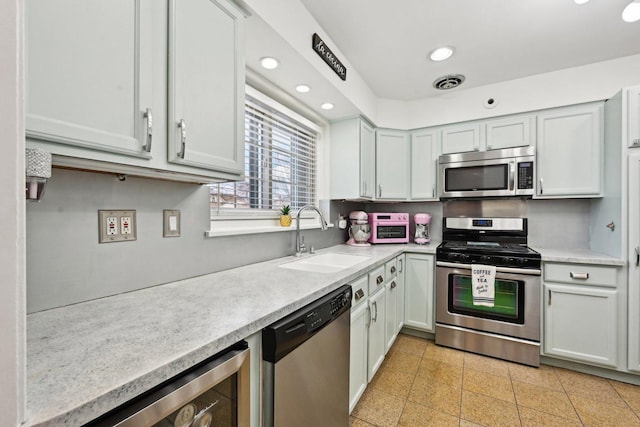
x: 579, y: 256
x: 86, y: 359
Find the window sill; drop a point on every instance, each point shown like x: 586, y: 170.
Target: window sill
x: 233, y: 227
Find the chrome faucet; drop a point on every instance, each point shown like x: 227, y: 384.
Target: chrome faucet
x: 300, y: 247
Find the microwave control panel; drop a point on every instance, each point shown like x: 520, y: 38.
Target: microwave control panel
x: 525, y: 175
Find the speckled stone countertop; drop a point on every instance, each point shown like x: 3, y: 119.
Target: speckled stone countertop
x: 580, y: 256
x: 86, y: 359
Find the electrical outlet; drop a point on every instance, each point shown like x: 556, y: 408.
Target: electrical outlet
x: 112, y: 226
x: 116, y: 226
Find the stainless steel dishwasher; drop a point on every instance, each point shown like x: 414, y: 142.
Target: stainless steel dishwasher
x: 306, y: 364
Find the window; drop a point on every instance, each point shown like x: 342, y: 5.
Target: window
x: 280, y: 164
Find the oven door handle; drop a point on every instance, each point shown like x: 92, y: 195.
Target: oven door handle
x: 527, y: 271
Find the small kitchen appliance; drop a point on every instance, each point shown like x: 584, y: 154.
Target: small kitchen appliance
x: 389, y: 227
x: 360, y: 229
x: 474, y: 252
x: 422, y: 221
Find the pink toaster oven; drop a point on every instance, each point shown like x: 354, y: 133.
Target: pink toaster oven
x: 389, y: 227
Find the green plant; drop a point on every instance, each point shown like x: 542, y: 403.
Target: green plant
x: 284, y: 210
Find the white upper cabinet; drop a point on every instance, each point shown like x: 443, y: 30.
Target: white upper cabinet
x: 510, y: 132
x: 392, y: 164
x: 460, y: 138
x: 633, y: 116
x: 88, y: 74
x: 106, y: 92
x: 353, y: 160
x: 206, y: 85
x: 569, y: 151
x: 424, y: 164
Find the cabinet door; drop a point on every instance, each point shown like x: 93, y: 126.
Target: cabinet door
x: 88, y: 76
x: 206, y: 85
x: 392, y: 165
x: 581, y: 323
x: 400, y: 297
x: 511, y: 132
x: 634, y: 262
x: 419, y: 307
x: 424, y: 170
x: 358, y: 378
x: 569, y: 151
x: 367, y: 161
x: 461, y: 138
x: 377, y: 344
x: 633, y: 116
x: 391, y: 299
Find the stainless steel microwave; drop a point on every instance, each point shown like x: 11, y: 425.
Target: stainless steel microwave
x: 496, y: 173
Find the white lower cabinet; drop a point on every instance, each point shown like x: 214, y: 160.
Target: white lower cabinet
x: 394, y: 302
x: 418, y: 288
x: 358, y: 358
x: 377, y: 341
x: 634, y: 262
x: 581, y: 313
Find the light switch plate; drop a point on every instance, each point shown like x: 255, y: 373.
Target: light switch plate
x: 117, y: 226
x: 171, y: 226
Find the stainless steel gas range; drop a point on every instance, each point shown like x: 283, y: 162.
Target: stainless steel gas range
x: 508, y: 327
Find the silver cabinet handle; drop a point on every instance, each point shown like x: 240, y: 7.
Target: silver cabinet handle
x: 393, y: 285
x: 379, y: 280
x: 579, y: 276
x: 183, y: 137
x: 149, y: 116
x: 375, y: 305
x: 635, y: 141
x: 393, y: 269
x: 359, y: 294
x: 512, y: 174
x: 433, y: 192
x: 379, y: 190
x: 637, y: 256
x: 401, y: 266
x: 369, y: 316
x: 549, y: 302
x: 541, y: 190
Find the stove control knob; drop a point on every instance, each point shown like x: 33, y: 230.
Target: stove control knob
x: 509, y: 261
x: 485, y: 259
x: 464, y: 257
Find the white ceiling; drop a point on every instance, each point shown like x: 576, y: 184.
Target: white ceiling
x: 388, y: 43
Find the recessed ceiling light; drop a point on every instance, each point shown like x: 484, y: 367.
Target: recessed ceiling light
x: 631, y: 13
x: 303, y: 88
x: 269, y: 63
x: 327, y: 106
x: 441, y: 53
x: 580, y: 1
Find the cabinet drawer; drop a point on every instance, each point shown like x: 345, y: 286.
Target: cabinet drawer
x: 391, y: 268
x: 359, y: 291
x: 581, y: 274
x: 376, y: 279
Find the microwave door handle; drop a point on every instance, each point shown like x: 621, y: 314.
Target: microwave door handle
x: 512, y: 174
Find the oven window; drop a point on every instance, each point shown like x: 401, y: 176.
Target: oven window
x: 391, y: 231
x: 215, y: 407
x: 509, y: 299
x: 476, y: 178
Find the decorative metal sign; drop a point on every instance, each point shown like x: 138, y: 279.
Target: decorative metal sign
x: 328, y: 57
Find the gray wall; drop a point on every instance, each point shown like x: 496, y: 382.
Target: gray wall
x: 66, y: 264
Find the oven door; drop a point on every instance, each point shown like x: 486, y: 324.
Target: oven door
x: 516, y: 312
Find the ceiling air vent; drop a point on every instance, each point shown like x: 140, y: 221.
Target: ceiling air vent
x: 448, y: 82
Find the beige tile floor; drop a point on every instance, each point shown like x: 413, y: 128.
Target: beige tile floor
x: 421, y: 384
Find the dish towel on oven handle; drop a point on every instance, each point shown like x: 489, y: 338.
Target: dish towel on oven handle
x: 483, y: 278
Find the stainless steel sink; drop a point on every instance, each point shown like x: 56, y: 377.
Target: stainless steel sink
x: 325, y: 263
